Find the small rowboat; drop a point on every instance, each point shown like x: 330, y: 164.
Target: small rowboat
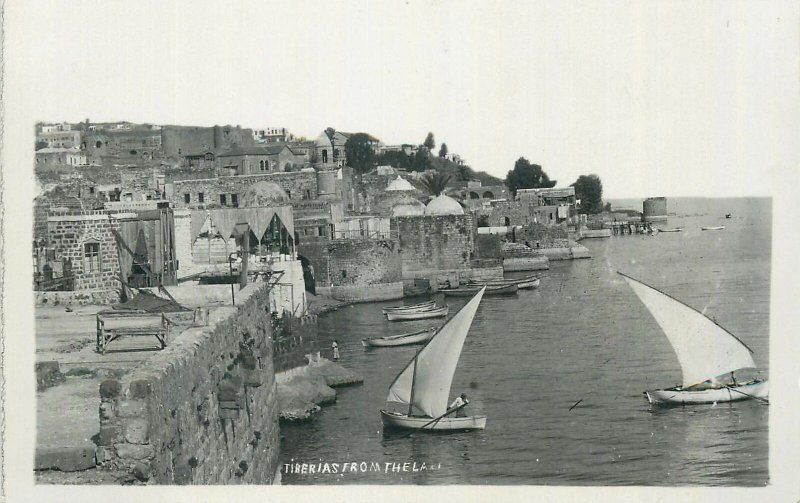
x: 674, y: 229
x: 404, y: 421
x: 400, y: 340
x: 717, y: 228
x: 422, y: 306
x: 522, y: 283
x: 467, y: 291
x: 422, y: 315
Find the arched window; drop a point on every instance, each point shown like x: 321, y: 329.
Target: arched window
x: 324, y: 155
x: 488, y: 195
x: 474, y: 195
x: 507, y: 221
x: 99, y: 144
x: 261, y: 164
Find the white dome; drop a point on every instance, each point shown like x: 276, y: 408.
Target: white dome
x: 408, y: 208
x: 443, y: 205
x: 400, y: 184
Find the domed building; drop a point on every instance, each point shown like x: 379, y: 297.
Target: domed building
x: 399, y: 184
x: 408, y: 207
x: 443, y: 205
x: 264, y: 194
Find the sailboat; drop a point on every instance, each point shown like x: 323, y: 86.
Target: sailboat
x: 424, y: 384
x: 708, y: 354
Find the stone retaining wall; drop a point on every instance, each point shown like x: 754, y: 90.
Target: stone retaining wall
x: 203, y: 410
x: 368, y: 293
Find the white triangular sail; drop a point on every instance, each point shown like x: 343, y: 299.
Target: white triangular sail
x: 431, y: 372
x: 705, y: 350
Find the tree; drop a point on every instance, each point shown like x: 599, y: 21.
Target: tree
x: 589, y: 189
x: 359, y: 153
x: 527, y: 176
x: 443, y: 150
x: 435, y: 182
x: 40, y: 144
x: 422, y: 160
x: 607, y: 207
x: 429, y: 143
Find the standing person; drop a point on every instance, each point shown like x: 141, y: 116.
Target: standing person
x: 461, y: 402
x: 335, y: 347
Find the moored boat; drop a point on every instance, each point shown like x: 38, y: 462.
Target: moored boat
x: 400, y: 340
x: 437, y: 312
x: 424, y: 383
x: 708, y: 354
x: 674, y: 229
x: 422, y: 306
x: 715, y: 228
x: 527, y: 282
x: 466, y: 291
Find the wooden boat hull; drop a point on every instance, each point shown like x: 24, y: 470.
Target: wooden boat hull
x: 411, y: 308
x: 402, y: 340
x: 677, y: 396
x: 718, y: 228
x: 527, y: 282
x: 676, y: 229
x: 490, y: 290
x: 422, y: 315
x: 403, y: 421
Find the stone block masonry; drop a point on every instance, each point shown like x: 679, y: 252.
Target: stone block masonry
x: 202, y: 411
x: 298, y: 185
x: 356, y: 270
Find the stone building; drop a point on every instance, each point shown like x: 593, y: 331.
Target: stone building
x: 206, y: 240
x: 259, y: 159
x: 329, y: 147
x: 92, y: 253
x: 439, y: 245
x: 177, y: 141
x: 226, y: 191
x: 54, y: 158
x: 60, y: 139
x: 356, y: 269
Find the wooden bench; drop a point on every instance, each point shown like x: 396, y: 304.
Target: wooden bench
x: 131, y: 324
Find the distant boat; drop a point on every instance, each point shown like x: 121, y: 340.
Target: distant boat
x: 716, y: 228
x: 422, y: 306
x: 424, y: 384
x: 527, y: 282
x: 674, y: 229
x: 400, y: 340
x: 727, y: 215
x: 437, y: 312
x: 466, y: 291
x: 708, y: 354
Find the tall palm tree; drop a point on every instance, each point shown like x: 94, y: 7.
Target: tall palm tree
x: 435, y: 182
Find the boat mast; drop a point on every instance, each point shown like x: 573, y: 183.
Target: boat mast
x: 413, y: 379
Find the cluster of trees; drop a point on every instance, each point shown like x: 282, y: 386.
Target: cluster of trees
x: 527, y: 176
x: 588, y: 188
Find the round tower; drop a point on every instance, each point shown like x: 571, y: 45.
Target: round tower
x: 326, y: 183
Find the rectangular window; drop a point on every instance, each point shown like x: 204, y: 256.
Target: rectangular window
x: 91, y: 257
x: 187, y: 198
x: 200, y: 197
x: 223, y: 199
x: 321, y: 230
x: 235, y: 200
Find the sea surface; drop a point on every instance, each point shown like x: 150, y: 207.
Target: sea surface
x: 583, y: 338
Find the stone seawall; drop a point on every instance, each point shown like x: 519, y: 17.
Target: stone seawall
x: 203, y: 410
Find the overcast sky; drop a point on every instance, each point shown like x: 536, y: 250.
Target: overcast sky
x: 657, y: 98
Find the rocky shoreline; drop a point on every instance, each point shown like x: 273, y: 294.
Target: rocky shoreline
x: 302, y: 391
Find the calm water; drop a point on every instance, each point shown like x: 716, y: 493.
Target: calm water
x: 583, y: 335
